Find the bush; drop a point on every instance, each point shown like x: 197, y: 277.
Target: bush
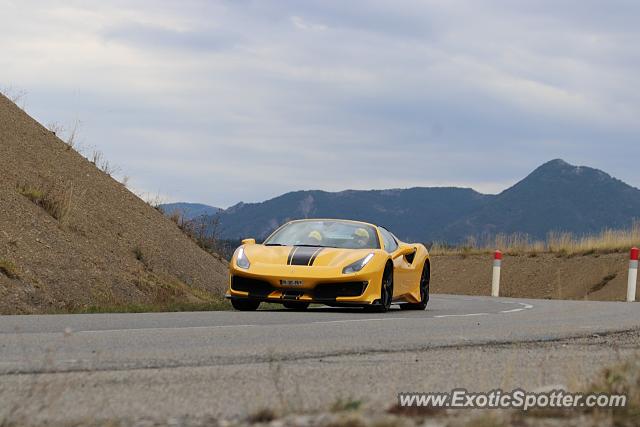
x: 137, y: 251
x: 203, y: 231
x: 56, y: 200
x: 9, y: 269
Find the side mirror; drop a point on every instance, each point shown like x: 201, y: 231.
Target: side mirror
x: 248, y: 241
x: 404, y: 251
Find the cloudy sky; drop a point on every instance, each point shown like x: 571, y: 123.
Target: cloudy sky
x: 227, y: 101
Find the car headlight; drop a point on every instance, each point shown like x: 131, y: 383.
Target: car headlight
x: 241, y: 259
x: 358, y: 265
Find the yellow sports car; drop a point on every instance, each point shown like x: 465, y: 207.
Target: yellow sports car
x: 333, y: 262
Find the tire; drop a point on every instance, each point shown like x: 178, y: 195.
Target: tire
x: 296, y: 305
x: 425, y: 277
x: 386, y: 293
x: 245, y: 304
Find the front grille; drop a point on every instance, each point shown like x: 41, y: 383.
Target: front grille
x: 256, y: 288
x: 334, y: 290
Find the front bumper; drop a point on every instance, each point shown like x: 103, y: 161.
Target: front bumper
x: 358, y: 289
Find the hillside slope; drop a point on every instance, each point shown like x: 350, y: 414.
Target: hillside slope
x: 105, y: 248
x: 556, y: 196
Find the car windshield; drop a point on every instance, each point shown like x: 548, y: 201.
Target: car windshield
x: 323, y: 233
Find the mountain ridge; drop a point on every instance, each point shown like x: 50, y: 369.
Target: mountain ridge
x: 188, y: 210
x: 556, y: 196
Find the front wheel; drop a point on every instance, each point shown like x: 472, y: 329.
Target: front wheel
x: 245, y: 304
x: 386, y: 293
x: 424, y: 291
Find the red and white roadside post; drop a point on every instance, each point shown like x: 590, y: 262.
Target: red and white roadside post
x: 633, y: 274
x: 495, y: 282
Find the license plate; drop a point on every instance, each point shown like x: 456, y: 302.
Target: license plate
x: 291, y: 282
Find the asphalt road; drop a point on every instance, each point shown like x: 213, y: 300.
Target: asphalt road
x: 210, y: 362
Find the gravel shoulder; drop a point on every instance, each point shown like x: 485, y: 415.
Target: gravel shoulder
x: 197, y: 395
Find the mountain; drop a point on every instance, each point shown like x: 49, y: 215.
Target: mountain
x: 73, y: 238
x: 556, y: 196
x: 403, y: 211
x: 189, y: 211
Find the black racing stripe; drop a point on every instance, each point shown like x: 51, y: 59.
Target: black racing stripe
x: 293, y: 250
x: 314, y: 256
x: 303, y: 255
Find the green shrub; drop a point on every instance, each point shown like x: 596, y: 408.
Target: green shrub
x: 9, y: 269
x: 56, y: 200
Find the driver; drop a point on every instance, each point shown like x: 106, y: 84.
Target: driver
x: 314, y: 238
x: 361, y: 237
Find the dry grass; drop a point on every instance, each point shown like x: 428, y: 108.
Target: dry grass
x: 98, y: 159
x: 173, y: 306
x: 36, y: 195
x: 56, y: 128
x: 561, y: 243
x: 342, y: 405
x: 17, y: 96
x: 155, y: 201
x: 416, y: 411
x: 56, y: 200
x: 9, y: 269
x: 72, y: 138
x: 137, y: 252
x: 165, y: 294
x: 204, y: 232
x: 621, y: 379
x: 261, y: 416
x: 72, y: 141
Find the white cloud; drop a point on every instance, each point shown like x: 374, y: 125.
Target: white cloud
x: 226, y: 101
x: 302, y: 24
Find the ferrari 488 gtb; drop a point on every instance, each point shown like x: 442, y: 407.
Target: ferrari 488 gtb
x: 332, y: 262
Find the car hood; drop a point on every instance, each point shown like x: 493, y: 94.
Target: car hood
x: 303, y: 255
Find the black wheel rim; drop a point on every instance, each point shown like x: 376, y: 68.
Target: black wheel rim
x: 424, y: 284
x: 386, y: 293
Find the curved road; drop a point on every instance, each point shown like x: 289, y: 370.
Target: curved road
x: 155, y: 340
x: 209, y: 362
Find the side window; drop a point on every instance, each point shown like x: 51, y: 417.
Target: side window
x: 390, y: 243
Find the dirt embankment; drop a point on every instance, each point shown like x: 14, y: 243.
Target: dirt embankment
x: 550, y: 276
x: 73, y: 237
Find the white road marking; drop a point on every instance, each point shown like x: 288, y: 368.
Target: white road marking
x: 515, y: 310
x: 524, y: 305
x: 463, y: 315
x: 362, y: 320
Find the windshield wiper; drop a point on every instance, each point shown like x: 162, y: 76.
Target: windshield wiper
x: 314, y: 246
x: 274, y: 244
